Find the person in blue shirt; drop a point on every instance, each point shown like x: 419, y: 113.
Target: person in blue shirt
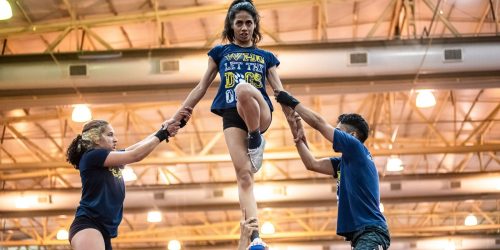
x: 359, y: 218
x: 94, y: 154
x: 241, y: 99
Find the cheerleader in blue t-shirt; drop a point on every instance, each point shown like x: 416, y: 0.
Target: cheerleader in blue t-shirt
x: 359, y: 218
x: 94, y: 154
x: 241, y: 100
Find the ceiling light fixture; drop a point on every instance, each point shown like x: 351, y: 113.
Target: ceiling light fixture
x: 267, y: 228
x: 394, y: 164
x: 154, y: 216
x: 81, y: 113
x: 425, y: 99
x: 174, y: 245
x: 62, y: 234
x: 5, y: 10
x: 470, y: 220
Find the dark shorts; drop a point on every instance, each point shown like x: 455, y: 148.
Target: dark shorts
x: 82, y: 222
x: 231, y: 118
x: 371, y: 238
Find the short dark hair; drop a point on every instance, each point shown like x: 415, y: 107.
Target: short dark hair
x: 356, y: 123
x: 235, y: 7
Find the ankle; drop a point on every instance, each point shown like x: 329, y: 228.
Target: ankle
x: 254, y: 139
x: 255, y: 235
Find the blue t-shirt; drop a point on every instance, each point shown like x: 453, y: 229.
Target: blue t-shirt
x: 358, y: 191
x: 103, y: 191
x: 235, y: 64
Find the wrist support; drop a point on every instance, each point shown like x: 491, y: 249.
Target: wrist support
x: 183, y: 123
x: 162, y: 135
x: 287, y: 99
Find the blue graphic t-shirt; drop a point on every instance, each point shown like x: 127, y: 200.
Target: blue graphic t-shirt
x: 103, y: 191
x: 238, y: 64
x: 358, y: 191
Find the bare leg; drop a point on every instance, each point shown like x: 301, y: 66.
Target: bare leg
x: 251, y: 104
x: 237, y: 144
x: 256, y: 113
x: 89, y: 238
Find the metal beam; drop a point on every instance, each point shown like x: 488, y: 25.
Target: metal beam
x: 483, y: 126
x: 355, y: 14
x: 380, y: 19
x: 443, y: 19
x: 98, y: 38
x: 124, y: 32
x: 150, y: 93
x: 309, y: 203
x: 271, y: 156
x: 58, y: 40
x: 396, y: 23
x: 322, y: 20
x: 421, y: 115
x: 214, y: 185
x: 164, y: 15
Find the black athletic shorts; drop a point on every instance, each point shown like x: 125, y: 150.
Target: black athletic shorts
x: 231, y: 118
x: 83, y: 222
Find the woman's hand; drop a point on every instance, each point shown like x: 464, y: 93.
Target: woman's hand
x: 179, y: 120
x: 183, y: 115
x: 247, y: 226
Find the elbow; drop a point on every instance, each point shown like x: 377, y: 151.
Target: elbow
x: 200, y: 90
x: 318, y: 123
x: 309, y: 166
x: 136, y: 157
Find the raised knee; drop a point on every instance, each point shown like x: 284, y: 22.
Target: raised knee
x: 243, y: 90
x: 245, y: 179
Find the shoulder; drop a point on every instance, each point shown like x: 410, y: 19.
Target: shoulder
x: 219, y: 48
x: 341, y: 135
x: 96, y: 152
x: 343, y: 141
x: 270, y: 56
x: 263, y: 51
x: 94, y: 157
x: 218, y: 51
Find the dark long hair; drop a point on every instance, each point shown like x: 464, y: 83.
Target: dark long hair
x: 235, y: 7
x: 85, y: 141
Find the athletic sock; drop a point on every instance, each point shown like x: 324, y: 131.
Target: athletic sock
x: 254, y: 139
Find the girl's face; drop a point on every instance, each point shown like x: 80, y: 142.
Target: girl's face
x: 108, y: 140
x: 243, y: 26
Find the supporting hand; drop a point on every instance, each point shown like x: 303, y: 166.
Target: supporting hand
x: 247, y: 226
x: 285, y: 98
x: 294, y: 121
x: 181, y: 117
x: 298, y: 129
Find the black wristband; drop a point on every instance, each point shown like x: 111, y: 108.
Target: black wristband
x: 287, y: 99
x: 183, y: 123
x: 162, y: 135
